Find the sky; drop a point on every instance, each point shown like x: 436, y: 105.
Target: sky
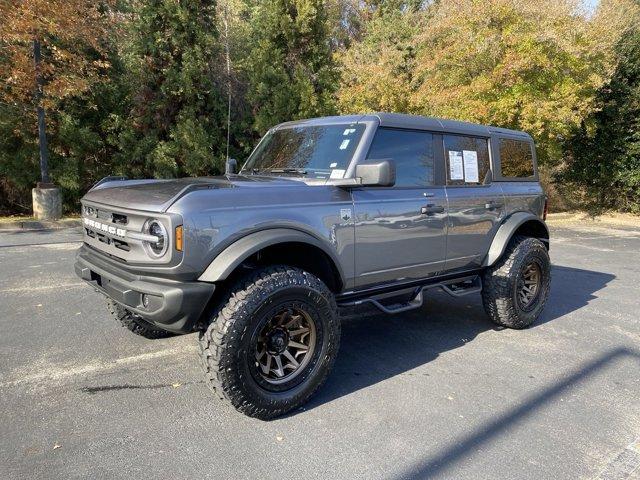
x: 591, y: 4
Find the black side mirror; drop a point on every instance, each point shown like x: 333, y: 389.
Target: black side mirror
x: 377, y: 173
x: 231, y: 166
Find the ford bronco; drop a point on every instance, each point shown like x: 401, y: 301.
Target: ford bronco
x: 325, y: 213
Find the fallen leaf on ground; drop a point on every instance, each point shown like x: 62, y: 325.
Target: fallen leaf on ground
x: 56, y: 446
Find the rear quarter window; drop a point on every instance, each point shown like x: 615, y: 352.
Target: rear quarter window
x: 516, y: 158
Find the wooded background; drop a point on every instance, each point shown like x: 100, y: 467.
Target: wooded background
x: 141, y: 87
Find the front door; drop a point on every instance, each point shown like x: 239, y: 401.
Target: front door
x: 400, y: 231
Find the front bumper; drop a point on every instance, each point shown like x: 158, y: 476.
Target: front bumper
x: 171, y: 305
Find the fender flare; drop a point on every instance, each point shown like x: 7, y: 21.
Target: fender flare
x: 506, y: 231
x: 236, y: 253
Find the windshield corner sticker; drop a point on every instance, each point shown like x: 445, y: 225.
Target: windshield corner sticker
x: 470, y: 166
x: 455, y: 165
x: 337, y: 173
x: 333, y: 165
x: 345, y: 214
x: 349, y: 131
x: 344, y: 144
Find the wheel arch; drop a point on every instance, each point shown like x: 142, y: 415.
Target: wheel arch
x: 519, y: 223
x: 278, y: 245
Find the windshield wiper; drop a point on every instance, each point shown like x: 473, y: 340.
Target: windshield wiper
x: 299, y: 171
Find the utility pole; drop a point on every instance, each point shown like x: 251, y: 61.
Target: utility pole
x: 42, y: 135
x: 47, y: 199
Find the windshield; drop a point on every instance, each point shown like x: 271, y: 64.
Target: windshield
x: 322, y: 151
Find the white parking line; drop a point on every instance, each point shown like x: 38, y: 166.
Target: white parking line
x: 46, y: 371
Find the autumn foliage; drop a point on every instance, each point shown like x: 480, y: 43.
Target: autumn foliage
x: 140, y: 87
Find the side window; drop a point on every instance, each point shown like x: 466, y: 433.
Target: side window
x: 410, y: 150
x: 516, y: 158
x: 467, y: 160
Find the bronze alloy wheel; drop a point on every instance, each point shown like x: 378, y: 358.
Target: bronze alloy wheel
x: 285, y: 345
x: 529, y: 285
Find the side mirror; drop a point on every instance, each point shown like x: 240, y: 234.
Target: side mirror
x: 377, y: 173
x: 231, y: 166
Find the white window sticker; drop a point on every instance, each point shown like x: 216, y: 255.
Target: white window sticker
x: 333, y: 165
x: 470, y: 166
x: 349, y: 131
x: 344, y: 144
x: 455, y: 165
x: 337, y: 173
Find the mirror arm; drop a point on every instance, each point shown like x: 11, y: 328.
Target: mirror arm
x: 346, y: 182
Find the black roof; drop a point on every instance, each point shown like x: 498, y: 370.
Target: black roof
x: 416, y: 122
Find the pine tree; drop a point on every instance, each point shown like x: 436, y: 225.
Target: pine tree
x: 290, y: 68
x: 178, y: 122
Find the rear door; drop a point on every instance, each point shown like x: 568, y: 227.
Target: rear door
x: 400, y: 231
x: 475, y: 203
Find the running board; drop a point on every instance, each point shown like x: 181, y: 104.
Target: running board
x: 455, y: 288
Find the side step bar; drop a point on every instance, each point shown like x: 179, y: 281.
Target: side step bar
x: 456, y: 288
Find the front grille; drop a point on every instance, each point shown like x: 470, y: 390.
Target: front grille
x: 119, y: 244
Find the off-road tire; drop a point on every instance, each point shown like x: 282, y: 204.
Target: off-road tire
x: 499, y: 283
x: 228, y: 354
x: 134, y: 323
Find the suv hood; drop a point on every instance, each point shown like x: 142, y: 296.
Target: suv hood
x: 159, y: 195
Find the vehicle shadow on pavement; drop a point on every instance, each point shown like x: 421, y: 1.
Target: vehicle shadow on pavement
x: 376, y: 347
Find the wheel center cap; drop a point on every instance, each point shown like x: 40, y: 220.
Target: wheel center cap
x: 277, y: 342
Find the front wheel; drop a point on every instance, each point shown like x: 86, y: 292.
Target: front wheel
x: 515, y: 289
x: 272, y: 343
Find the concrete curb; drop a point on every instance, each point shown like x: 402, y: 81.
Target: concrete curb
x: 41, y: 224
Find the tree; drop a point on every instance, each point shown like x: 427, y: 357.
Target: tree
x: 377, y: 72
x: 513, y: 63
x: 177, y: 124
x: 527, y: 65
x: 290, y: 69
x: 604, y: 153
x: 49, y: 50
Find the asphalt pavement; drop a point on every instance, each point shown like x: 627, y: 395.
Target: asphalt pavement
x: 435, y: 393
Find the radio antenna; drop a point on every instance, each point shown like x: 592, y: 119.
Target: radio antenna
x: 228, y: 55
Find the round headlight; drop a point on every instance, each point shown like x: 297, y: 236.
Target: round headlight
x: 155, y: 228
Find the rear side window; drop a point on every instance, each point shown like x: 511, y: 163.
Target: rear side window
x: 410, y: 150
x: 516, y: 158
x: 467, y: 160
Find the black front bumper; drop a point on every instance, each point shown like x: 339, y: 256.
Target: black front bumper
x: 171, y: 305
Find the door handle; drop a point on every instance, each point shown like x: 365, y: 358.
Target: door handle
x: 431, y: 208
x: 493, y: 205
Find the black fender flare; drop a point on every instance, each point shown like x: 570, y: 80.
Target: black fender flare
x: 506, y: 231
x: 236, y: 253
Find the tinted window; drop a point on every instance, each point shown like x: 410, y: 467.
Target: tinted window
x: 411, y: 151
x: 467, y: 160
x: 516, y: 158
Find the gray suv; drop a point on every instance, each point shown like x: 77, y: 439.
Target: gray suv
x: 325, y: 213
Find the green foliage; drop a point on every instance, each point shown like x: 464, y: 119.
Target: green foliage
x: 291, y: 73
x: 140, y: 88
x: 377, y: 73
x: 604, y: 153
x: 177, y: 123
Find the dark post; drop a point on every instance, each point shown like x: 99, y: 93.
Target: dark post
x: 42, y: 135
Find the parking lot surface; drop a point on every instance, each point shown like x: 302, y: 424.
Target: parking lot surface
x: 435, y: 393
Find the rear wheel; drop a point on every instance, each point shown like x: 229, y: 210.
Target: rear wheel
x: 515, y: 289
x: 134, y: 323
x: 272, y: 343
